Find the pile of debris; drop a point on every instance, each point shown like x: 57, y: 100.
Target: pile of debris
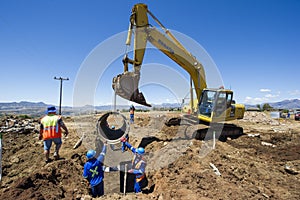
x: 19, y: 124
x: 260, y: 117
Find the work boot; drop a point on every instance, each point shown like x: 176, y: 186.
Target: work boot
x: 48, y: 160
x: 55, y: 155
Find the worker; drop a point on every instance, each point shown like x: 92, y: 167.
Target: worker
x: 131, y: 113
x: 50, y: 131
x: 93, y: 171
x: 112, y: 146
x: 138, y: 166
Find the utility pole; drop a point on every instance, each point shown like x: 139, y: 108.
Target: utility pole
x: 60, y: 96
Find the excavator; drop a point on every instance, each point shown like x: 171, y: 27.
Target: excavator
x: 213, y: 105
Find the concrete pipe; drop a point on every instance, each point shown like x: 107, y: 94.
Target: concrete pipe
x: 112, y: 126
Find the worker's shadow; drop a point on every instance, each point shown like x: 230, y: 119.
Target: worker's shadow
x: 148, y: 190
x: 60, y: 158
x: 148, y: 140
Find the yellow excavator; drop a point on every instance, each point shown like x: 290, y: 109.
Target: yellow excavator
x: 212, y: 105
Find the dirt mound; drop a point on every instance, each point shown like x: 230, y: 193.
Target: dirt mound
x: 25, y: 175
x: 57, y: 180
x: 264, y: 163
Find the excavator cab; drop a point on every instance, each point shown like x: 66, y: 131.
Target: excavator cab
x: 217, y: 105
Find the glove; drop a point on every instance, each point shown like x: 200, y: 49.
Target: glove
x: 123, y: 139
x: 40, y: 137
x: 133, y: 171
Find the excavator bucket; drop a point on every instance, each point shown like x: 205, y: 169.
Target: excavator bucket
x: 126, y: 86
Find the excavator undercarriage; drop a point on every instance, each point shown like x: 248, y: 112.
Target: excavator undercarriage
x: 206, y: 131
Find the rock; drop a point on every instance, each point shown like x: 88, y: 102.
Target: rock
x: 254, y: 135
x: 161, y: 197
x: 268, y: 144
x: 290, y: 170
x: 265, y: 195
x: 25, y: 126
x: 15, y: 160
x: 215, y: 169
x: 86, y: 197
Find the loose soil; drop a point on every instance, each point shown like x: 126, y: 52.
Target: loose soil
x: 263, y: 163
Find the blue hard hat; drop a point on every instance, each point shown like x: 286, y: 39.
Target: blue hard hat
x: 90, y: 154
x: 113, y: 127
x: 51, y: 109
x: 140, y: 150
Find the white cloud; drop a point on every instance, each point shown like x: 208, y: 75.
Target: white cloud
x: 265, y: 90
x: 271, y: 96
x: 251, y: 100
x: 263, y: 98
x: 248, y: 98
x: 294, y: 92
x: 255, y: 100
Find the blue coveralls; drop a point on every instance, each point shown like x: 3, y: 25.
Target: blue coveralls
x: 131, y: 111
x: 93, y: 172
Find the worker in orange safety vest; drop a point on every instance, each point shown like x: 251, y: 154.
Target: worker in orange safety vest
x: 50, y: 131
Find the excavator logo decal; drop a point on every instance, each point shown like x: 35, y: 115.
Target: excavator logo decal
x: 165, y: 46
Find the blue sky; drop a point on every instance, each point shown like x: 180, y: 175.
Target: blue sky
x: 254, y: 43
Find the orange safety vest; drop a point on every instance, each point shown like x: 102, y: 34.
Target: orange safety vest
x: 51, y: 127
x: 137, y: 166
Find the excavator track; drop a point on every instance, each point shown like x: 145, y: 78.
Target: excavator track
x: 205, y: 131
x: 221, y: 131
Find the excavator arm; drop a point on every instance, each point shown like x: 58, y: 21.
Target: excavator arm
x: 126, y: 84
x: 181, y: 57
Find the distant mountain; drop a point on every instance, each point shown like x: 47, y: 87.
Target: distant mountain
x: 285, y: 104
x: 22, y: 104
x: 38, y: 108
x: 169, y: 105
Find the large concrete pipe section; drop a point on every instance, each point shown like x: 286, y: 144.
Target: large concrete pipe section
x: 112, y: 126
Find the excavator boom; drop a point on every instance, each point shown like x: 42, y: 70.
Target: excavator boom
x: 126, y: 84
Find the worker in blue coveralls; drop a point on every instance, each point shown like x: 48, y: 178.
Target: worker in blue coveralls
x: 131, y: 113
x: 138, y: 165
x: 93, y: 171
